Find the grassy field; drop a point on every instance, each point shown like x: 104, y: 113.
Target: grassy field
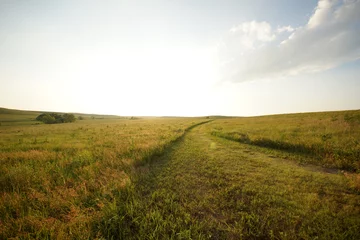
x: 330, y: 139
x: 206, y: 187
x: 56, y: 179
x: 273, y: 177
x: 9, y: 117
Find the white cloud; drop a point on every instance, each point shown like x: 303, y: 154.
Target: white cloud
x: 249, y: 34
x: 285, y: 29
x: 331, y: 37
x: 323, y: 13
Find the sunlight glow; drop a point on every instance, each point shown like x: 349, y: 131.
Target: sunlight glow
x: 163, y: 81
x: 179, y: 58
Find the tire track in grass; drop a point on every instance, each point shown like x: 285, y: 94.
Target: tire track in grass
x: 205, y: 187
x: 165, y: 148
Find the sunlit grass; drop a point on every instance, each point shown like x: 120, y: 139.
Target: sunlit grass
x: 56, y: 179
x: 206, y: 187
x: 330, y: 139
x: 182, y: 178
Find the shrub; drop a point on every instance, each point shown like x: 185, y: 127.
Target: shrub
x: 51, y: 118
x: 46, y: 118
x: 68, y: 117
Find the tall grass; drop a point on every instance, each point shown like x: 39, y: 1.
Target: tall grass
x: 206, y: 187
x: 57, y: 180
x: 119, y: 179
x: 330, y: 139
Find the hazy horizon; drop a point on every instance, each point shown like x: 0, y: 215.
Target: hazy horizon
x: 180, y: 58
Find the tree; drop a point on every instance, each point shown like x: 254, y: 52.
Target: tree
x: 58, y: 117
x: 50, y: 118
x: 46, y: 118
x: 67, y: 117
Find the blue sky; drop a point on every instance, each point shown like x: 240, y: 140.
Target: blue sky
x: 180, y: 57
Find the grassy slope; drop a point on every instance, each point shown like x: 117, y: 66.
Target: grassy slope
x: 22, y: 117
x: 329, y: 139
x: 17, y: 112
x: 17, y: 117
x: 212, y: 188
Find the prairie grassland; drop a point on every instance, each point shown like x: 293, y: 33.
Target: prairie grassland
x: 206, y: 187
x: 56, y: 179
x: 330, y: 139
x: 182, y: 178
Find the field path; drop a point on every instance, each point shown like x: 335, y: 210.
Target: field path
x: 205, y: 187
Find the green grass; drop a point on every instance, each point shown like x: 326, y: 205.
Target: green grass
x: 329, y: 139
x: 56, y: 179
x: 181, y: 178
x: 206, y: 187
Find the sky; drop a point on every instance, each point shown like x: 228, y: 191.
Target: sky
x: 180, y: 57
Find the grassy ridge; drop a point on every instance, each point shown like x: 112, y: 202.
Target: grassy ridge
x: 56, y: 180
x: 15, y: 117
x: 330, y: 139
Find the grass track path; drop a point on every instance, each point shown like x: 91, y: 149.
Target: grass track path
x: 206, y: 187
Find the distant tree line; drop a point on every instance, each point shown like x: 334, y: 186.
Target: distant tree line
x: 51, y: 118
